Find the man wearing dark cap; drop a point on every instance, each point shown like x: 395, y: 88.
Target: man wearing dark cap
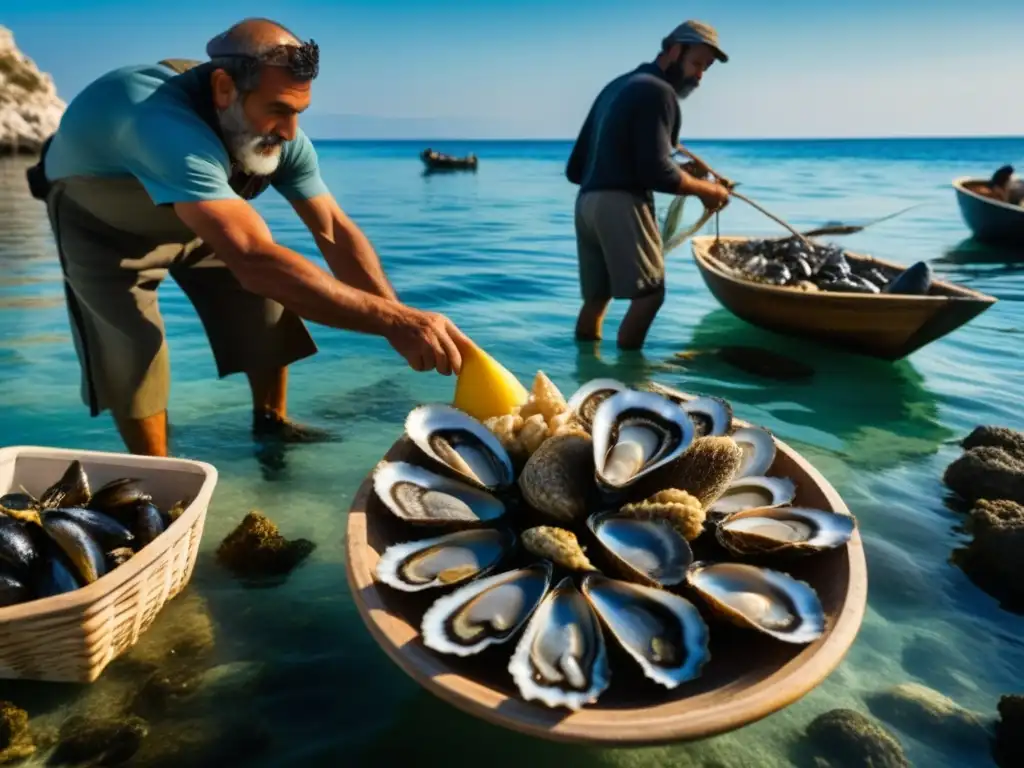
x: 151, y: 173
x: 623, y: 155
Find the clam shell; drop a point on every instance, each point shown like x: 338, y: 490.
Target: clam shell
x: 485, y: 611
x: 752, y: 492
x: 634, y: 434
x: 444, y: 561
x: 561, y: 658
x: 458, y: 441
x: 583, y: 403
x: 650, y: 550
x: 769, y: 601
x: 789, y: 529
x: 758, y: 446
x: 663, y: 631
x: 420, y: 496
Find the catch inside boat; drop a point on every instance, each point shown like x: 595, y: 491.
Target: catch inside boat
x: 438, y: 161
x: 990, y: 221
x: 560, y: 582
x: 859, y: 303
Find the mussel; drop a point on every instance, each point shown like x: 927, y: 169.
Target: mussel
x: 71, y: 490
x: 118, y: 497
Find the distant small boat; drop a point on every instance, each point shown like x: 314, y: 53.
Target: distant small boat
x: 990, y: 221
x: 436, y: 161
x: 889, y: 326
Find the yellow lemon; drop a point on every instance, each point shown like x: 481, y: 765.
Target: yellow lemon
x: 485, y: 388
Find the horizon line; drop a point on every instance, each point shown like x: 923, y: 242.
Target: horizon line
x: 906, y: 137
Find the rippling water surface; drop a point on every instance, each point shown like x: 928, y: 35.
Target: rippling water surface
x: 495, y: 251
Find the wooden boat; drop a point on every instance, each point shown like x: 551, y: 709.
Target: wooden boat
x: 887, y: 326
x: 746, y: 679
x: 436, y: 161
x: 990, y: 221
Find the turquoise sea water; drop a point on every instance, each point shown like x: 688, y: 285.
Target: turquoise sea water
x: 495, y: 251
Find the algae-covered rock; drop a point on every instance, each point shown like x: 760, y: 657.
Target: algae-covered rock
x: 1008, y: 749
x: 1010, y: 440
x: 227, y: 740
x: 847, y: 739
x: 187, y: 692
x: 256, y: 548
x: 16, y: 742
x: 987, y: 472
x: 99, y: 741
x: 929, y: 716
x: 995, y: 514
x: 994, y: 558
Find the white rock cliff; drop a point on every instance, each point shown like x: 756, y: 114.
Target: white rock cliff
x: 30, y: 109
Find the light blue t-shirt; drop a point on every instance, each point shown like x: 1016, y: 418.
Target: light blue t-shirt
x: 143, y: 121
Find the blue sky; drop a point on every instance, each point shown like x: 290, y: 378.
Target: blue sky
x: 529, y: 69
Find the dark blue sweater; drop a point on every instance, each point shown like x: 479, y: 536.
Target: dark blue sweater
x: 628, y: 137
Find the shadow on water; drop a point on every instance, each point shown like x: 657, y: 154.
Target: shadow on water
x: 881, y: 410
x: 971, y: 251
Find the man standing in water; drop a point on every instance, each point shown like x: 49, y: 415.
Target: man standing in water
x: 150, y: 173
x: 622, y: 155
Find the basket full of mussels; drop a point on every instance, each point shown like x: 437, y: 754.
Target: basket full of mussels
x: 622, y: 566
x: 92, y: 545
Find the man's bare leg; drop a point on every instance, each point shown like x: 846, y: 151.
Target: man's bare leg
x: 638, y: 320
x: 144, y: 437
x: 590, y: 319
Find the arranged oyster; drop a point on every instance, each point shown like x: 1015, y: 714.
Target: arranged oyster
x: 635, y: 433
x: 626, y: 479
x: 759, y: 598
x: 661, y: 630
x: 561, y: 657
x: 584, y: 401
x: 461, y: 443
x: 486, y: 611
x: 791, y: 529
x: 558, y: 480
x: 753, y: 492
x: 420, y: 496
x: 444, y: 561
x: 650, y: 550
x: 558, y: 545
x: 758, y: 448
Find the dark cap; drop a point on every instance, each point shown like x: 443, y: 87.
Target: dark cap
x: 694, y: 32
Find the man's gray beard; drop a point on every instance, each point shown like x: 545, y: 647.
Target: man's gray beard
x: 244, y: 144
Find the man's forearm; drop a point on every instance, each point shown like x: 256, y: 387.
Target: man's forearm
x: 354, y: 261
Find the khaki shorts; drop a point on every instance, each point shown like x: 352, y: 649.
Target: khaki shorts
x: 111, y: 277
x: 618, y: 243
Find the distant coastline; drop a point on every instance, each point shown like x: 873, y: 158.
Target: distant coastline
x: 767, y: 140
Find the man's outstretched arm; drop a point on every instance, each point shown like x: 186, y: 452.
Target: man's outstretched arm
x: 343, y: 245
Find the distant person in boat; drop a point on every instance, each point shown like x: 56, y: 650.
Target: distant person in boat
x: 151, y: 173
x: 1004, y: 186
x: 623, y: 154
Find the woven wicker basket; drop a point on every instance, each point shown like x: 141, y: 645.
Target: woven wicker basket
x: 74, y: 636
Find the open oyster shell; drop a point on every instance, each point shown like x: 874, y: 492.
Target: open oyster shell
x: 752, y: 492
x: 422, y: 497
x: 444, y: 561
x: 784, y: 529
x: 583, y: 403
x: 461, y: 443
x: 650, y: 550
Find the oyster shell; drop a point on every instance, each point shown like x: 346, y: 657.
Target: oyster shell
x: 664, y: 632
x: 678, y: 507
x: 558, y: 545
x: 651, y: 551
x: 584, y: 401
x: 636, y: 433
x: 460, y: 442
x: 769, y: 601
x: 711, y: 416
x: 558, y: 480
x: 561, y: 659
x: 443, y: 561
x: 791, y: 529
x: 485, y: 611
x: 753, y: 492
x: 758, y: 446
x: 420, y: 496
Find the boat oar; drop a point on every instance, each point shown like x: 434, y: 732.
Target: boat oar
x: 730, y: 185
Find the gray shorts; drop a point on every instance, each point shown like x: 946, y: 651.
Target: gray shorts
x: 618, y: 243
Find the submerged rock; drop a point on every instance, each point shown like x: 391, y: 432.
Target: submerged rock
x: 987, y: 472
x: 994, y: 559
x: 257, y: 548
x: 183, y: 634
x: 16, y: 742
x: 929, y: 716
x: 1008, y: 749
x: 1010, y: 440
x: 30, y: 109
x: 111, y: 741
x: 844, y: 738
